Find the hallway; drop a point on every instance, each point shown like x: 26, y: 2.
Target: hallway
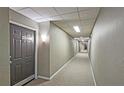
x: 77, y: 72
x: 31, y: 47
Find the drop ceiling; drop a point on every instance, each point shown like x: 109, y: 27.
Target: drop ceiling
x: 64, y: 17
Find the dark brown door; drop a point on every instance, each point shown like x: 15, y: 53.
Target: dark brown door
x: 22, y: 52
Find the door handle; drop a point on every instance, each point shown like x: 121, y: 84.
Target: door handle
x: 10, y: 59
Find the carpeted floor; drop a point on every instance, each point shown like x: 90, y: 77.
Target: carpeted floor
x: 76, y: 73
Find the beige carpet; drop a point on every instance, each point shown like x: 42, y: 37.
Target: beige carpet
x: 76, y: 73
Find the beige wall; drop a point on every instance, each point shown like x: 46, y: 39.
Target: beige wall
x: 55, y: 51
x: 107, y: 47
x: 88, y: 47
x: 81, y: 45
x: 61, y: 48
x: 76, y: 46
x: 4, y: 47
x: 43, y: 50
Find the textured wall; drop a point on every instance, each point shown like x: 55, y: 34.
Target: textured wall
x: 4, y: 47
x: 61, y: 48
x: 43, y: 50
x: 76, y: 46
x: 107, y: 47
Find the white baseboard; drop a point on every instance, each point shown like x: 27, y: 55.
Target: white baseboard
x: 44, y: 77
x: 92, y: 73
x: 61, y: 68
x: 49, y: 78
x: 24, y: 81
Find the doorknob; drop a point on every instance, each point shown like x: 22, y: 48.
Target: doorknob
x: 10, y: 59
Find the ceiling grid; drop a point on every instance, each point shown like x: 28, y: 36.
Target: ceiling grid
x: 64, y: 17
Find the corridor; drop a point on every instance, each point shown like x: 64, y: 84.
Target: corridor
x: 76, y: 73
x: 49, y: 46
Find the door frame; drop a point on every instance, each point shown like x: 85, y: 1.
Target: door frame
x: 36, y: 44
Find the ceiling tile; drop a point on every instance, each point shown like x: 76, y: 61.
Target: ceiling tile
x: 61, y: 24
x: 73, y: 23
x: 17, y: 8
x: 64, y: 10
x: 88, y: 14
x: 64, y: 17
x: 45, y: 12
x: 55, y: 18
x: 30, y: 13
x: 58, y: 22
x: 41, y: 20
x: 85, y: 8
x: 87, y: 22
x: 71, y: 16
x: 69, y: 30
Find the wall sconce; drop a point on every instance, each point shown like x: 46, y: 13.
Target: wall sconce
x: 44, y: 37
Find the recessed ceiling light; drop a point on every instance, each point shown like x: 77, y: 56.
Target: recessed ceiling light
x: 76, y: 28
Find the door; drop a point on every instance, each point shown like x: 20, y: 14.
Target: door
x: 22, y: 53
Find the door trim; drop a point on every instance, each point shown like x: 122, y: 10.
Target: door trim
x: 24, y: 81
x: 36, y: 44
x: 19, y: 24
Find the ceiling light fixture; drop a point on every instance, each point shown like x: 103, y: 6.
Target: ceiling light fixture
x: 76, y: 28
